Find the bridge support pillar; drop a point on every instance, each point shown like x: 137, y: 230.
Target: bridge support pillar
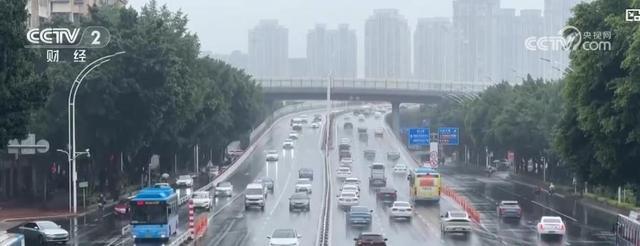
x: 395, y: 117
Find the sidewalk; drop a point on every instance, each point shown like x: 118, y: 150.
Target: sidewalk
x: 15, y: 212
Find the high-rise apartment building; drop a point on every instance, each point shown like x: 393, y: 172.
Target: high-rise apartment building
x: 332, y: 51
x: 433, y: 51
x: 556, y: 15
x: 73, y: 9
x: 387, y: 45
x: 476, y: 32
x: 268, y: 49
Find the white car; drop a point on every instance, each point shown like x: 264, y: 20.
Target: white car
x: 224, y: 189
x: 347, y: 198
x: 304, y: 119
x: 551, y: 225
x: 346, y: 161
x: 455, y: 221
x: 351, y: 188
x: 272, y: 155
x: 343, y: 172
x: 401, y: 209
x: 379, y: 132
x: 293, y: 136
x: 360, y: 117
x: 202, y: 199
x: 303, y: 185
x: 400, y: 168
x: 377, y: 115
x: 315, y: 125
x: 184, y: 180
x: 288, y: 144
x: 284, y: 237
x: 351, y: 180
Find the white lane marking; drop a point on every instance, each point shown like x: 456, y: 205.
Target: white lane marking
x: 226, y: 205
x: 555, y: 211
x: 107, y: 215
x: 286, y: 184
x: 224, y: 234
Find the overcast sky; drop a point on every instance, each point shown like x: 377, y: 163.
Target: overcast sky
x: 222, y: 25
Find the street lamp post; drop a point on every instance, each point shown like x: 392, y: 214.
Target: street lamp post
x: 72, y: 154
x: 70, y: 159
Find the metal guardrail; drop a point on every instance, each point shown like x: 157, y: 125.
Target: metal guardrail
x: 180, y: 239
x: 324, y: 237
x: 383, y: 84
x: 182, y: 200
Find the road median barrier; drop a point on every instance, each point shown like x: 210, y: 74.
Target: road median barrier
x: 463, y: 202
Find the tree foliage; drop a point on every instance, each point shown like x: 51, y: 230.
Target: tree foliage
x: 21, y: 90
x: 159, y: 97
x: 600, y: 130
x: 519, y: 118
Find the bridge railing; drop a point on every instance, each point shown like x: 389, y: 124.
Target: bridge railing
x: 400, y: 84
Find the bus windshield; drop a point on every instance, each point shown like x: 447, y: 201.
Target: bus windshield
x: 147, y: 213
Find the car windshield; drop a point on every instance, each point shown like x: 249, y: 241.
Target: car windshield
x: 283, y: 233
x: 401, y: 204
x: 348, y: 194
x: 224, y: 184
x: 272, y: 152
x: 47, y: 225
x: 387, y: 190
x: 254, y: 191
x: 510, y: 203
x: 184, y: 177
x: 300, y: 196
x: 371, y: 237
x: 267, y: 180
x: 457, y: 215
x: 552, y: 220
x: 304, y: 181
x: 344, y: 170
x: 200, y: 195
x: 357, y: 209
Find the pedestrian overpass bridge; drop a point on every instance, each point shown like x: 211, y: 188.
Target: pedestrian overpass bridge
x: 395, y: 91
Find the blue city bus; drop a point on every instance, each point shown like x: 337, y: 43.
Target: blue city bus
x: 154, y: 213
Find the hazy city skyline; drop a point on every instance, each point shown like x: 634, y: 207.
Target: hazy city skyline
x: 299, y: 17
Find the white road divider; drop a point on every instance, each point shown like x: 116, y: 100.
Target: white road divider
x: 125, y: 230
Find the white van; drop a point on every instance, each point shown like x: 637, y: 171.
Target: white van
x: 255, y: 195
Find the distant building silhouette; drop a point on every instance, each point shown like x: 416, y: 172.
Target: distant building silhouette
x: 268, y: 50
x: 387, y: 45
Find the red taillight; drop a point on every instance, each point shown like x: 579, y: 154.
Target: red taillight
x: 562, y: 227
x: 541, y: 227
x: 140, y: 203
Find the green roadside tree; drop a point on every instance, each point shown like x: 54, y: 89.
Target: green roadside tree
x: 21, y: 90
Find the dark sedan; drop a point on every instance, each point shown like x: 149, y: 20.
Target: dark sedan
x: 267, y: 182
x: 387, y: 195
x: 305, y: 173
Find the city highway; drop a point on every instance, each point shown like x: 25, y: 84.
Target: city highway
x: 425, y: 225
x: 230, y: 224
